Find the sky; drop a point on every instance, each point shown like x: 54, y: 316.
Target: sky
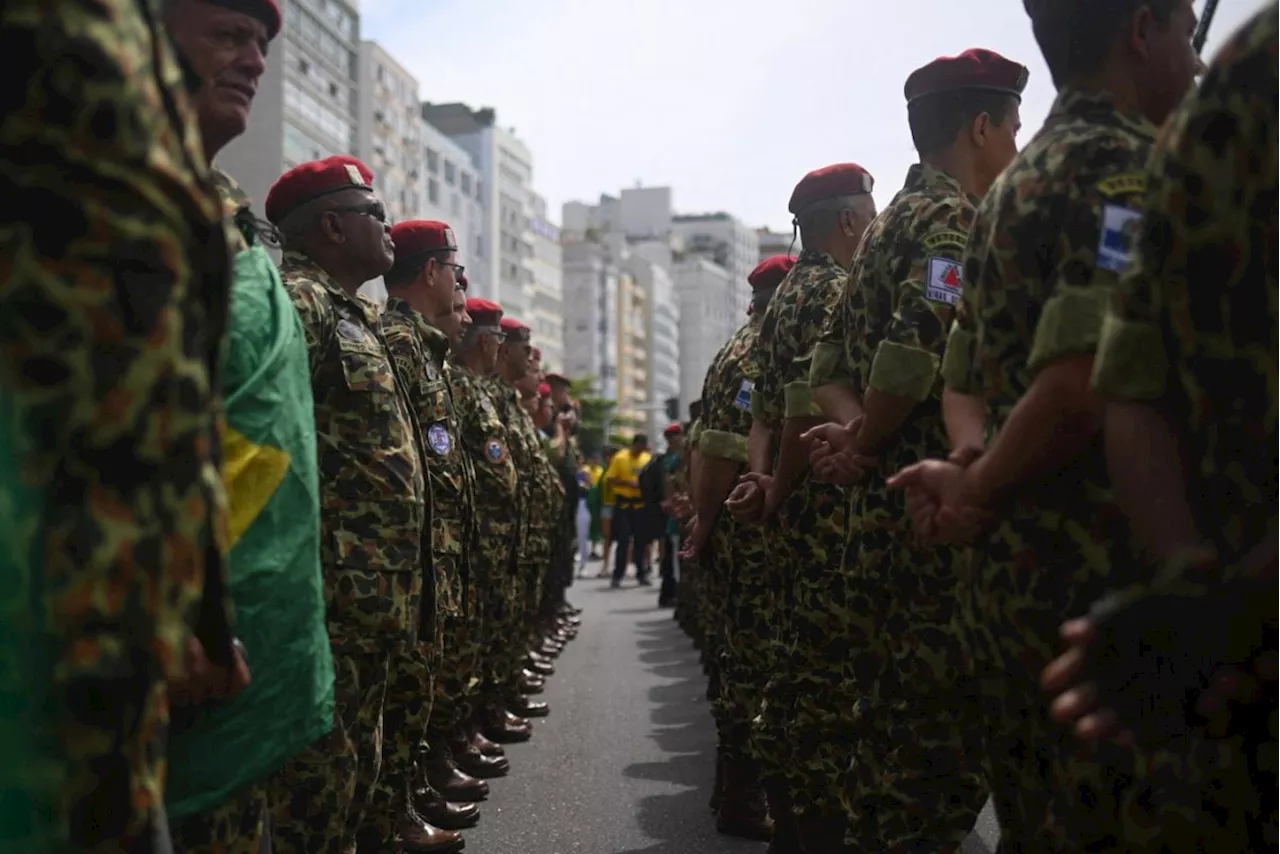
x: 728, y: 102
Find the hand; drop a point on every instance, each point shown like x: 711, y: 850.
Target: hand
x: 202, y: 679
x: 843, y: 469
x: 747, y: 501
x: 841, y: 437
x: 941, y: 501
x: 965, y: 455
x: 1077, y: 703
x: 696, y: 539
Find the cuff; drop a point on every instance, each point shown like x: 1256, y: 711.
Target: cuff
x: 1131, y: 363
x: 904, y: 371
x: 955, y: 361
x: 800, y: 401
x: 1070, y: 325
x: 723, y: 445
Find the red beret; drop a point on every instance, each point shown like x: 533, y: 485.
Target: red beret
x: 673, y: 430
x: 308, y: 181
x: 558, y: 379
x: 420, y: 236
x: 266, y: 11
x: 770, y: 272
x: 515, y: 329
x: 842, y: 179
x: 484, y: 312
x: 463, y: 283
x: 976, y: 68
x: 544, y: 390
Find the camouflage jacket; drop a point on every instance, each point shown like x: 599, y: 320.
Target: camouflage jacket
x: 419, y: 350
x: 726, y: 396
x: 789, y: 331
x: 485, y: 439
x: 1194, y: 323
x: 1044, y: 253
x: 538, y: 480
x: 113, y: 308
x: 897, y: 306
x: 373, y: 496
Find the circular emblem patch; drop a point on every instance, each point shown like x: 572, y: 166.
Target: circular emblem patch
x: 495, y: 451
x: 349, y: 330
x: 439, y: 439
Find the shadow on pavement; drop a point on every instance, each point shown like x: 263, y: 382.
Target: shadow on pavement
x: 682, y: 728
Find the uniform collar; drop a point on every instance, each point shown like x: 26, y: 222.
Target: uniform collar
x: 813, y: 256
x: 924, y: 176
x: 1098, y: 108
x: 295, y: 263
x: 437, y: 342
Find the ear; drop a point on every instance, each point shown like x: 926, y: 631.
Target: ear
x: 331, y: 227
x: 979, y: 129
x: 1142, y: 28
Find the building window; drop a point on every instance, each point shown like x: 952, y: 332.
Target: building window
x: 433, y: 162
x: 455, y: 205
x: 450, y: 172
x: 465, y: 182
x: 381, y: 75
x: 433, y: 191
x: 303, y: 65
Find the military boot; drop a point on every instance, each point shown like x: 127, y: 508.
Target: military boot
x: 502, y: 727
x: 432, y: 807
x: 445, y: 777
x: 786, y: 831
x: 527, y: 708
x: 471, y: 761
x: 478, y: 740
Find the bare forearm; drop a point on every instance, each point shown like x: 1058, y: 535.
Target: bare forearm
x: 1145, y: 462
x: 882, y: 416
x: 793, y: 452
x: 1048, y: 428
x: 965, y: 416
x: 838, y: 402
x: 760, y: 447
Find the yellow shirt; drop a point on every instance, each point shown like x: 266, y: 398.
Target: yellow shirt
x: 622, y: 477
x: 593, y: 473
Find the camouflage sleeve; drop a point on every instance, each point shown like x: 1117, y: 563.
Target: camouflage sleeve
x: 907, y: 358
x: 762, y: 395
x: 830, y: 361
x: 1152, y: 324
x: 1100, y: 211
x: 958, y: 359
x: 319, y: 321
x: 820, y: 304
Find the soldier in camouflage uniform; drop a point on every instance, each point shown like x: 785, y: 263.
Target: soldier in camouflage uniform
x: 1188, y: 352
x: 557, y: 614
x: 536, y: 476
x: 878, y: 363
x: 804, y: 520
x: 373, y: 493
x: 1021, y: 351
x: 113, y: 307
x: 485, y: 437
x: 687, y: 592
x: 734, y: 553
x: 421, y: 704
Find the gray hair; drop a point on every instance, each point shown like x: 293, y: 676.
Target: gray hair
x: 820, y: 219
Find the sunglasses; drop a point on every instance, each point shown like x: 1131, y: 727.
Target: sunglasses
x: 369, y: 209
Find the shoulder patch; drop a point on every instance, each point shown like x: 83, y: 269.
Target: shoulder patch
x: 351, y: 330
x: 945, y: 237
x: 439, y: 439
x: 743, y: 399
x: 495, y: 451
x: 1120, y: 227
x: 944, y: 281
x: 1125, y: 184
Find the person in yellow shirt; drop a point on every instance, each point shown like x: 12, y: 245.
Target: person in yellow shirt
x: 622, y: 480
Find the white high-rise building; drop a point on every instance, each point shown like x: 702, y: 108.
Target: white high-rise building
x: 777, y: 243
x: 590, y: 275
x: 723, y: 239
x: 305, y: 108
x: 546, y: 318
x: 451, y: 193
x: 663, y: 338
x: 506, y: 177
x: 707, y: 320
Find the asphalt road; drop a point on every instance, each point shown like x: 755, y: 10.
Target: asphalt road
x: 625, y: 762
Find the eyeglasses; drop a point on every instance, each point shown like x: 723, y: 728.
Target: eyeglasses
x: 370, y: 209
x: 457, y: 268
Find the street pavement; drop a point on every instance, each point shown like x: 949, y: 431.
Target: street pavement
x: 625, y: 762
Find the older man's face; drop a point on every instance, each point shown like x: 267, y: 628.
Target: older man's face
x: 228, y: 49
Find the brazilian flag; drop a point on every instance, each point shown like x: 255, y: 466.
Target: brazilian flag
x: 30, y: 772
x: 276, y: 586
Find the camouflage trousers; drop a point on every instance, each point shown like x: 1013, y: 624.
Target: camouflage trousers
x: 732, y: 611
x: 319, y: 798
x: 913, y: 783
x: 492, y: 570
x: 808, y: 702
x: 405, y: 716
x: 240, y: 826
x: 461, y: 669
